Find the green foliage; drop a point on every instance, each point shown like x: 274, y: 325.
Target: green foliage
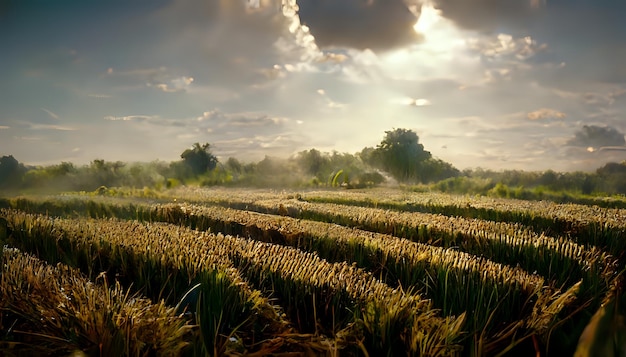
x: 401, y: 154
x: 605, y: 335
x: 434, y: 170
x: 500, y: 190
x: 11, y: 171
x: 568, y: 187
x: 172, y: 183
x: 199, y: 158
x: 335, y: 169
x: 464, y: 184
x: 403, y: 157
x: 217, y: 176
x: 313, y: 162
x: 369, y: 179
x: 337, y: 177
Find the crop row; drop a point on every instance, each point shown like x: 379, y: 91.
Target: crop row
x: 68, y: 312
x: 454, y: 280
x: 602, y: 227
x: 558, y: 259
x: 588, y: 225
x: 305, y: 284
x: 161, y: 261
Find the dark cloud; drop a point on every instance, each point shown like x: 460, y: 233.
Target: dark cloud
x: 595, y: 137
x: 375, y: 24
x: 489, y: 15
x: 586, y: 36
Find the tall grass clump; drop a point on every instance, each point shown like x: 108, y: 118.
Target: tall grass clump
x: 49, y: 309
x: 161, y: 261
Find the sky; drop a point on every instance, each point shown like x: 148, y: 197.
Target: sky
x: 497, y: 84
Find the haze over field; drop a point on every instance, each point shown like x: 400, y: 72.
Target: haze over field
x: 508, y: 84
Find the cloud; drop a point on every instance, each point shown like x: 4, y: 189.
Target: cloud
x: 588, y: 39
x: 216, y: 120
x: 227, y: 42
x: 51, y: 114
x: 378, y: 25
x: 408, y: 101
x: 138, y: 118
x: 603, y: 95
x: 420, y: 102
x: 584, y: 38
x: 162, y: 78
x: 29, y: 138
x: 488, y: 15
x: 506, y: 46
x: 545, y: 113
x: 594, y: 137
x: 175, y: 85
x: 255, y: 147
x: 36, y: 126
x: 248, y: 135
x: 275, y: 72
x: 612, y: 148
x: 328, y: 102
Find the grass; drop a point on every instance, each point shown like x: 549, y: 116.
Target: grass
x: 464, y: 285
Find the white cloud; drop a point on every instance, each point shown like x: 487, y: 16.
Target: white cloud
x: 138, y: 118
x: 180, y: 84
x: 545, y: 113
x: 28, y: 138
x: 218, y: 119
x: 51, y: 114
x: 329, y: 103
x: 163, y: 78
x: 506, y: 46
x: 36, y: 126
x: 408, y: 101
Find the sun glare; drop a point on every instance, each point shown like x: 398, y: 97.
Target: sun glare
x: 429, y: 16
x: 441, y: 46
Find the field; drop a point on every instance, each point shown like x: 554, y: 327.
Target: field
x: 376, y: 272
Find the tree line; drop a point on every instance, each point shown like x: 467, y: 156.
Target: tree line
x: 398, y: 158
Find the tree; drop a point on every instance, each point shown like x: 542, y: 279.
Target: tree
x: 401, y: 155
x: 8, y: 166
x: 232, y: 164
x: 11, y: 171
x: 312, y: 162
x: 199, y: 158
x: 433, y: 170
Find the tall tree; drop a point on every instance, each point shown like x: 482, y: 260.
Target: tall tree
x: 199, y: 158
x: 313, y: 162
x: 401, y: 155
